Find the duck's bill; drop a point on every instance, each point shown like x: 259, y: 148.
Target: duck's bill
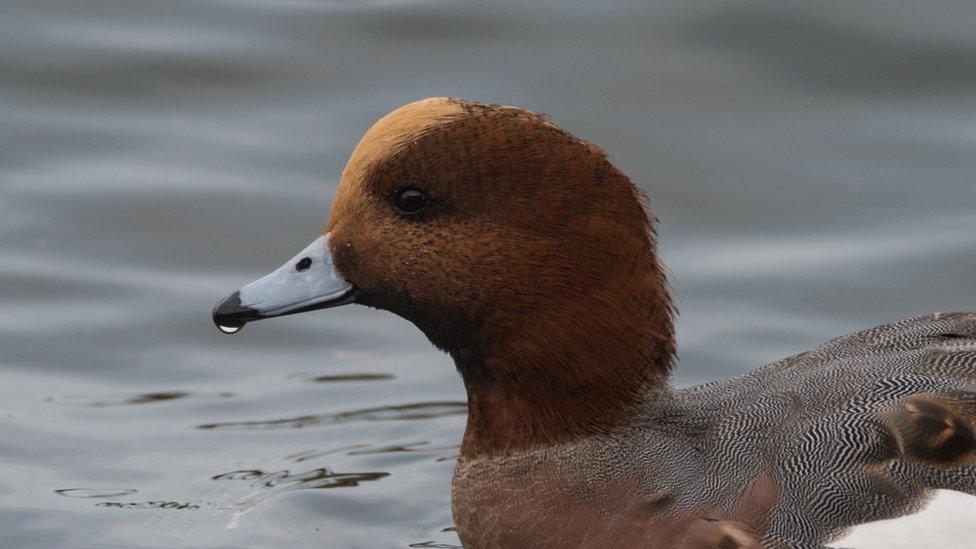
x: 305, y: 283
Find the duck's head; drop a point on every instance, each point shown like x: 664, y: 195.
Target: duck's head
x: 513, y: 245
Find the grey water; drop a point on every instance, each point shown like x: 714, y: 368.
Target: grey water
x: 812, y: 164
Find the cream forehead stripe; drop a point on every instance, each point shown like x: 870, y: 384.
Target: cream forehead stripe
x: 400, y: 127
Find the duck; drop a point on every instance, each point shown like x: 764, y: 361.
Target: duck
x: 524, y: 253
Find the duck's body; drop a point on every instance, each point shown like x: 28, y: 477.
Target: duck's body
x: 523, y: 252
x: 796, y: 452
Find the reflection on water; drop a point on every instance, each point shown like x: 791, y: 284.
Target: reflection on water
x: 405, y: 412
x: 811, y: 164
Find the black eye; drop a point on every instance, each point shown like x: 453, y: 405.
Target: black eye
x: 409, y: 200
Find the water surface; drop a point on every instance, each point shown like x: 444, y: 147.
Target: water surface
x: 812, y: 165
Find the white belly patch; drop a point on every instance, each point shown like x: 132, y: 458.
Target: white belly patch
x: 947, y: 522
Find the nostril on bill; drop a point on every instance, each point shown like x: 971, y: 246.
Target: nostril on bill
x: 303, y: 264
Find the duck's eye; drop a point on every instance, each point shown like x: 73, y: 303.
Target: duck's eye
x: 409, y: 200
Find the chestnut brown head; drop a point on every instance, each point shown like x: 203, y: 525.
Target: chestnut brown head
x: 483, y: 224
x: 513, y: 245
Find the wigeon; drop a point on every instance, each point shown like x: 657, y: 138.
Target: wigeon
x: 524, y: 253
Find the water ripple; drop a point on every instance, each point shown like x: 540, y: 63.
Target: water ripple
x: 318, y: 478
x: 420, y: 410
x: 132, y: 399
x: 97, y: 493
x: 305, y: 376
x: 173, y: 505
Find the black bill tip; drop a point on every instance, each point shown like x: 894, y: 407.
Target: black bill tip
x: 230, y: 316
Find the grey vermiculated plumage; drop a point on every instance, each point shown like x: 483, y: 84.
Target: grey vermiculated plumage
x: 814, y: 421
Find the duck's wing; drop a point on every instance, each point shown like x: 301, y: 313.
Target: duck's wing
x: 876, y: 421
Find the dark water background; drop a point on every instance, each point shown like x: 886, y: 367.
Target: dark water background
x: 813, y: 165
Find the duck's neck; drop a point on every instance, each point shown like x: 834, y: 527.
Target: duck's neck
x: 549, y: 382
x: 502, y: 418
